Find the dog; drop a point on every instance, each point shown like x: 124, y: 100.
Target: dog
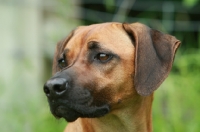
x: 104, y: 76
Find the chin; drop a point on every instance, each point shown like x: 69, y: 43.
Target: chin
x: 71, y: 111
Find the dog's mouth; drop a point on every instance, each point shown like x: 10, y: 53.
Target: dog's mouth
x: 66, y: 113
x: 71, y: 111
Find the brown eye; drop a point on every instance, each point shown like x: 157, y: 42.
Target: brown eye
x: 62, y: 63
x: 102, y: 57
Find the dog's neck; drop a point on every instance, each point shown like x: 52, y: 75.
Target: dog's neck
x: 135, y: 117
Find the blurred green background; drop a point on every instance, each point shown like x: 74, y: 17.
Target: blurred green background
x: 30, y: 29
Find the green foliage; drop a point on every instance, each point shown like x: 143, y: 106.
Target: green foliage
x: 24, y: 110
x: 176, y: 105
x: 110, y: 5
x: 189, y: 3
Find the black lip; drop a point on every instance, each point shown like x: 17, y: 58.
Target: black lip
x: 66, y: 113
x: 70, y: 111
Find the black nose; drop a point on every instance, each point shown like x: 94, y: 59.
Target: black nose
x: 55, y: 87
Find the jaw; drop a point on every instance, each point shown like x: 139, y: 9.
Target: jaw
x: 71, y: 111
x: 133, y: 115
x: 64, y: 112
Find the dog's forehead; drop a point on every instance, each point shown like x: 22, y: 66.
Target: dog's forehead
x: 110, y: 35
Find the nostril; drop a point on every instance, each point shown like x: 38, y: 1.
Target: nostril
x: 59, y: 88
x: 46, y: 90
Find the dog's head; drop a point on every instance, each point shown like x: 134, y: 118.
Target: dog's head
x: 98, y: 67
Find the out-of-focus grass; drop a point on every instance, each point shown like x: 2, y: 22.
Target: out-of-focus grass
x: 176, y: 104
x: 24, y: 114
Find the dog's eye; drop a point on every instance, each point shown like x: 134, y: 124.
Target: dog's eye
x: 102, y: 57
x: 62, y: 63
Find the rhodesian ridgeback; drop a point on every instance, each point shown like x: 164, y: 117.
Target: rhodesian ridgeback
x: 104, y: 76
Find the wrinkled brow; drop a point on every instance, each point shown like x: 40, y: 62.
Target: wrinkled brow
x: 93, y: 45
x: 66, y: 51
x: 63, y: 54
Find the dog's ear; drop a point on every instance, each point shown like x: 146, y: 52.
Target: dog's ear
x: 154, y: 55
x: 59, y: 50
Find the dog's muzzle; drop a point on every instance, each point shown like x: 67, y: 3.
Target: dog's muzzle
x: 70, y: 101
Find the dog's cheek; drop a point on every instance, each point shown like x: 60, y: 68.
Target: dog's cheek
x: 113, y: 89
x: 123, y: 85
x: 103, y: 96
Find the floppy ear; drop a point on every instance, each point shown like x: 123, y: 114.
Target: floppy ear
x: 58, y: 51
x: 154, y: 55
